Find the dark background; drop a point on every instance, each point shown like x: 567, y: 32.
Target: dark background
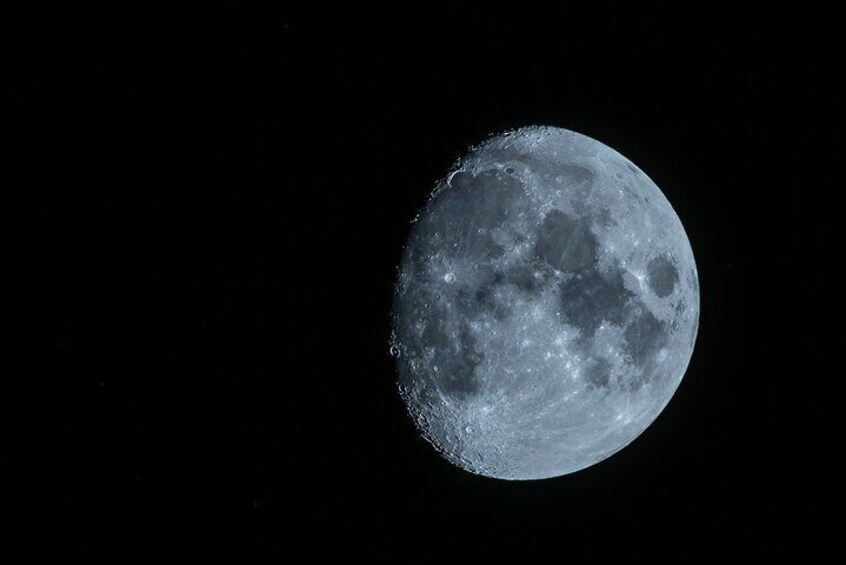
x: 201, y: 219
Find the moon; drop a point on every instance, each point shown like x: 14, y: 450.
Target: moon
x: 546, y: 306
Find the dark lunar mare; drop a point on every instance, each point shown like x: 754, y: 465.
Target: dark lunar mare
x: 566, y: 243
x: 590, y: 297
x: 662, y: 276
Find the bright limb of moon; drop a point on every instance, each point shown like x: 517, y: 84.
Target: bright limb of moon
x: 546, y: 306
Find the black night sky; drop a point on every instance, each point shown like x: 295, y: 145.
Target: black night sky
x: 202, y: 216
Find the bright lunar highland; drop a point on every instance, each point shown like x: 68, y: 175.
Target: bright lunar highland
x: 546, y: 306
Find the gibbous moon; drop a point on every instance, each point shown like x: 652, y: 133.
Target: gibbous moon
x: 546, y: 306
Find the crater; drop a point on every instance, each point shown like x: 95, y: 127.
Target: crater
x: 566, y: 243
x: 588, y: 299
x: 662, y: 276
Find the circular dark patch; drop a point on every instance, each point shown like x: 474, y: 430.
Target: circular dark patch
x: 662, y: 276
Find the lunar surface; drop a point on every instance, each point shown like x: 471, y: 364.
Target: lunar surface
x: 546, y: 306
